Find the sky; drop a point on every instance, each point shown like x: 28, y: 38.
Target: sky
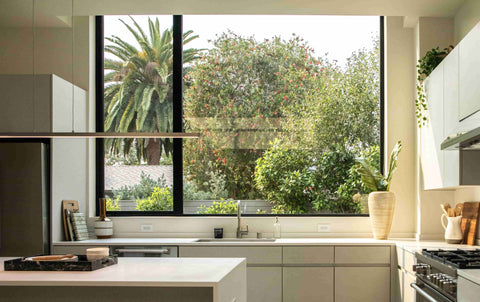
x: 336, y: 36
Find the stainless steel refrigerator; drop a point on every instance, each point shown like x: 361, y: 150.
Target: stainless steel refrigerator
x: 24, y: 197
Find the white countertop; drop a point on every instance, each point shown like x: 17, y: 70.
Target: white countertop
x: 225, y: 241
x: 145, y: 272
x: 410, y: 245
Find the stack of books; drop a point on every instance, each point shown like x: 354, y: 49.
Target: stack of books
x: 76, y: 225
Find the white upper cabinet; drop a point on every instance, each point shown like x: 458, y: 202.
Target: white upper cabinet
x: 469, y: 73
x: 453, y: 96
x: 450, y: 116
x: 42, y: 87
x: 432, y: 135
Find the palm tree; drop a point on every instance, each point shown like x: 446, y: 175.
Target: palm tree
x: 138, y: 89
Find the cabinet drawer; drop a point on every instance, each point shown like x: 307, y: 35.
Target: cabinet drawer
x: 254, y: 255
x: 307, y: 255
x: 362, y: 254
x: 72, y: 249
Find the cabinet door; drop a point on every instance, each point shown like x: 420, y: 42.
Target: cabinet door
x: 408, y: 292
x: 432, y: 133
x: 254, y: 254
x: 467, y: 290
x: 360, y: 284
x: 469, y: 73
x: 451, y: 170
x: 264, y: 284
x: 306, y: 284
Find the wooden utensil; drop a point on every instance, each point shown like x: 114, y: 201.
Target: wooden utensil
x: 71, y: 205
x: 458, y: 209
x: 55, y: 258
x: 469, y: 222
x: 443, y: 209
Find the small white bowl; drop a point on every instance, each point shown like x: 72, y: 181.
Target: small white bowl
x: 97, y: 253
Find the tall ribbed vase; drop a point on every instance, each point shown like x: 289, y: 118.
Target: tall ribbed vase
x: 381, y: 206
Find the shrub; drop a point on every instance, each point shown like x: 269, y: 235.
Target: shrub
x: 141, y: 190
x: 160, y: 200
x: 332, y: 171
x: 219, y: 207
x: 216, y: 188
x: 285, y: 178
x: 112, y: 205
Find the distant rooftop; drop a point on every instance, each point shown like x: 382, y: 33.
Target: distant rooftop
x: 119, y: 176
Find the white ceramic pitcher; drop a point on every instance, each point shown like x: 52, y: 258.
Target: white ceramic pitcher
x: 453, y: 231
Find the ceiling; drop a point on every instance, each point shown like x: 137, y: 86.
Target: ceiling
x: 55, y: 13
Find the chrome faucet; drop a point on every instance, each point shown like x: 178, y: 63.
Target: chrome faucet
x: 240, y: 232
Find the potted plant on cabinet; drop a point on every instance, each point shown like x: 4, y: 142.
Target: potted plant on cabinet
x: 381, y: 202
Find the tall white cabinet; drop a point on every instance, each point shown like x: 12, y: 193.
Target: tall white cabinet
x: 453, y: 97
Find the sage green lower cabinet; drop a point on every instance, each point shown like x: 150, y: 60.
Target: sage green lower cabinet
x: 264, y: 267
x: 468, y: 291
x: 306, y: 284
x: 264, y: 284
x: 360, y: 284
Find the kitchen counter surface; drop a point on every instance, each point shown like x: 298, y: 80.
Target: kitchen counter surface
x: 410, y: 245
x: 413, y: 246
x: 134, y: 272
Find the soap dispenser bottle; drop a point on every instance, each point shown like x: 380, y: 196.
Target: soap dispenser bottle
x: 277, y: 229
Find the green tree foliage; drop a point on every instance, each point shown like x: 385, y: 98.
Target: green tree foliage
x: 244, y: 93
x: 219, y: 207
x: 235, y: 98
x: 160, y: 200
x: 344, y: 112
x: 284, y: 176
x: 138, y: 92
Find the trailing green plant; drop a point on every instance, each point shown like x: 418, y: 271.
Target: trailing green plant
x: 372, y: 178
x: 219, y: 207
x: 425, y: 66
x: 160, y: 200
x: 141, y: 190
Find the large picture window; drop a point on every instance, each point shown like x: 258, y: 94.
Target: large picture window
x: 283, y: 104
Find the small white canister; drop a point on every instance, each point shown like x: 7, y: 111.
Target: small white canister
x: 104, y: 228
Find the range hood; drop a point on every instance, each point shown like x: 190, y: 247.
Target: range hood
x: 467, y: 140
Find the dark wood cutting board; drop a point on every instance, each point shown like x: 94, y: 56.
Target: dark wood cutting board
x: 470, y: 222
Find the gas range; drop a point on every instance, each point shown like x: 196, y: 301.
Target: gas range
x: 436, y: 272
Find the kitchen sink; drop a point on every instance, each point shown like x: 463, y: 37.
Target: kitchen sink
x: 228, y: 240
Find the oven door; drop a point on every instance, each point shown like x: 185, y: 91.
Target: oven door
x: 426, y: 293
x: 144, y: 251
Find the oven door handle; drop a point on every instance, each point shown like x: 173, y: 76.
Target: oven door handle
x: 424, y: 294
x: 145, y: 251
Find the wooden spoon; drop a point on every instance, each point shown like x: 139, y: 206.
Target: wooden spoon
x: 458, y: 209
x: 443, y: 209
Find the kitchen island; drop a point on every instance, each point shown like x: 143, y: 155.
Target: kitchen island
x: 133, y: 279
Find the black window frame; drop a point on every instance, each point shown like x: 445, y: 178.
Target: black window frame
x: 177, y: 154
